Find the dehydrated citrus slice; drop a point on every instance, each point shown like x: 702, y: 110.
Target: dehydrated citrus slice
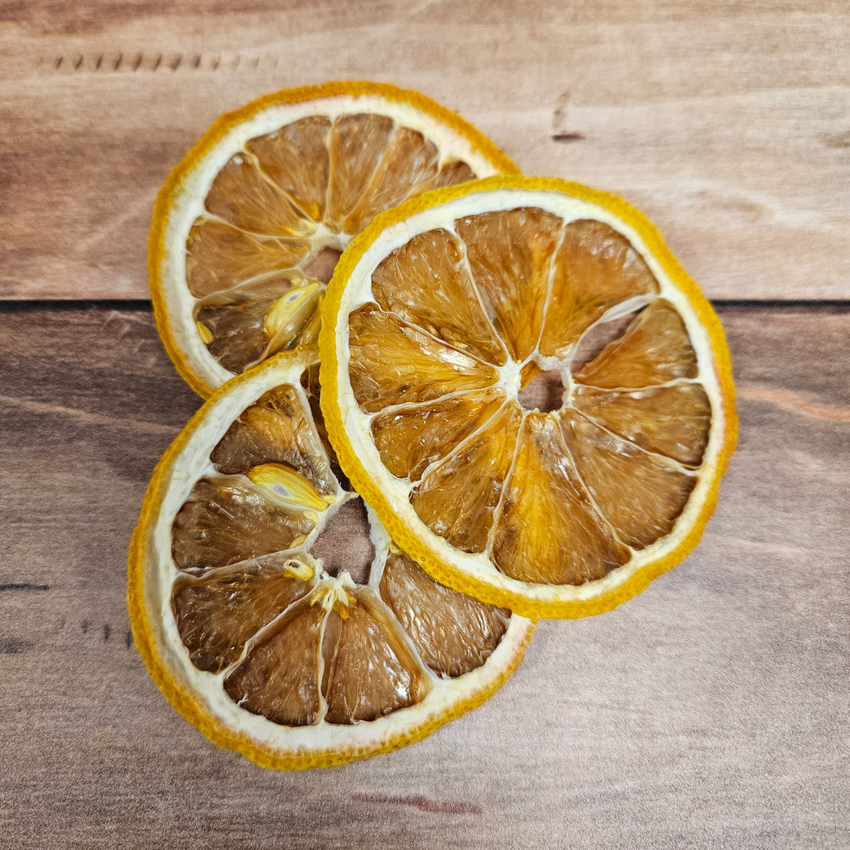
x: 529, y: 390
x: 248, y: 227
x: 266, y: 646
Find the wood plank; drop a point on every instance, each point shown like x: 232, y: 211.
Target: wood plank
x: 725, y: 122
x: 710, y: 711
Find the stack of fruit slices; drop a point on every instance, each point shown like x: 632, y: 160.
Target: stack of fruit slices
x: 530, y: 394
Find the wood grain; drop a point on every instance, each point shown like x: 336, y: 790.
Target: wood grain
x: 727, y: 123
x: 711, y: 711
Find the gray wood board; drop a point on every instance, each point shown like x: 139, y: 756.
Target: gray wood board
x: 711, y: 711
x: 726, y: 123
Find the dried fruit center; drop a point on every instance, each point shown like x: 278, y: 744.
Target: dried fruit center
x: 544, y: 392
x: 344, y: 543
x: 596, y: 338
x: 322, y: 266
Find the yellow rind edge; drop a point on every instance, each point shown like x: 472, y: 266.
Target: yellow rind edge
x: 221, y: 126
x: 406, y: 538
x: 183, y: 701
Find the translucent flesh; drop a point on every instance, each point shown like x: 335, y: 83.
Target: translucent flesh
x: 595, y: 269
x: 411, y: 438
x: 548, y: 531
x: 450, y: 174
x: 411, y: 159
x: 457, y: 498
x: 242, y: 196
x: 453, y: 633
x: 228, y: 520
x: 241, y: 330
x: 641, y: 495
x: 672, y: 421
x: 217, y: 614
x: 394, y: 363
x: 296, y: 158
x: 261, y: 617
x: 426, y: 282
x: 252, y: 322
x: 509, y: 255
x: 655, y: 349
x: 269, y: 288
x: 357, y: 144
x: 275, y: 430
x: 279, y: 677
x: 270, y: 200
x: 367, y: 677
x: 310, y: 383
x: 238, y: 334
x: 220, y: 257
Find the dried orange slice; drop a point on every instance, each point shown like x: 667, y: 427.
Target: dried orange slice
x: 256, y: 611
x: 529, y: 390
x: 248, y: 227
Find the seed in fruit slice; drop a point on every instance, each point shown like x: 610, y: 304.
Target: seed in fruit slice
x: 250, y: 224
x: 529, y: 390
x: 255, y: 613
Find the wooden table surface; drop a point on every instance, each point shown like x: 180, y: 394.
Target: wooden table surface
x: 712, y: 710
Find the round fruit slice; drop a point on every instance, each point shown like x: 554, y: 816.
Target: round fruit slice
x: 529, y: 390
x: 248, y: 227
x: 258, y: 611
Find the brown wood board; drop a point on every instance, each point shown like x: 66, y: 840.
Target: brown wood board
x: 727, y: 123
x: 710, y: 711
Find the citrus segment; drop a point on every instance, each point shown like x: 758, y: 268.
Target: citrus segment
x: 641, y: 495
x: 275, y: 430
x: 451, y: 174
x: 548, y: 531
x: 410, y: 161
x: 458, y: 497
x: 279, y: 677
x: 596, y: 268
x: 427, y: 282
x: 296, y: 159
x: 357, y: 144
x: 654, y: 350
x: 221, y: 258
x: 265, y: 646
x: 217, y: 613
x: 230, y: 520
x: 258, y: 319
x: 235, y: 332
x: 602, y: 466
x: 254, y: 321
x: 453, y: 633
x: 412, y: 437
x: 370, y: 674
x: 509, y: 255
x: 278, y: 189
x: 243, y: 196
x: 672, y: 421
x: 393, y: 362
